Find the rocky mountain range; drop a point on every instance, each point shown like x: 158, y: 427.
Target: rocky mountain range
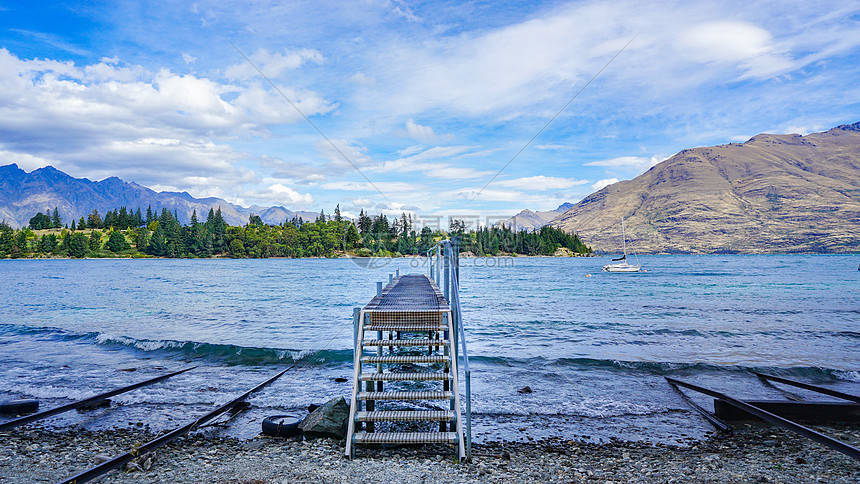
x: 771, y: 194
x: 530, y: 221
x: 24, y: 194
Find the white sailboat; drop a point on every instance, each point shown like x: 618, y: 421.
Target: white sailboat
x: 622, y: 266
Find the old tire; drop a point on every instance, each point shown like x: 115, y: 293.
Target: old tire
x: 18, y: 407
x: 281, y: 426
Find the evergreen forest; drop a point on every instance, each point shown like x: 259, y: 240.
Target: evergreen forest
x: 125, y: 233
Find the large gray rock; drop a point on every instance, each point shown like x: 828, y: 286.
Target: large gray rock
x: 330, y: 420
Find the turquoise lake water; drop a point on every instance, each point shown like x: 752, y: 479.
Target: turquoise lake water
x: 593, y: 346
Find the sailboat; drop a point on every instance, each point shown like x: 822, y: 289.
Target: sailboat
x: 622, y: 266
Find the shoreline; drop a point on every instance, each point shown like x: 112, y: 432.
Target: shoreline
x: 755, y: 453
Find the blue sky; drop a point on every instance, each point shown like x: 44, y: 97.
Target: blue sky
x: 428, y: 100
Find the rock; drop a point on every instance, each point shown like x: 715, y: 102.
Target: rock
x: 340, y: 379
x: 525, y: 389
x: 99, y: 458
x: 330, y: 420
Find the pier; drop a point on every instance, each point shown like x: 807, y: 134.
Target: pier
x: 409, y: 344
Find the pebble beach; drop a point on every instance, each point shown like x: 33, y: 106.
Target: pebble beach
x: 755, y: 453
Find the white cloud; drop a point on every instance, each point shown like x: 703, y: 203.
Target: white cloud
x: 272, y: 64
x: 424, y: 161
x: 553, y: 147
x: 25, y: 161
x: 279, y: 194
x: 188, y: 58
x: 541, y: 183
x: 402, y: 9
x: 114, y: 119
x: 410, y: 150
x: 748, y: 46
x: 489, y: 195
x: 600, y: 184
x: 345, y: 154
x: 385, y: 187
x: 424, y: 134
x: 362, y: 79
x: 637, y: 162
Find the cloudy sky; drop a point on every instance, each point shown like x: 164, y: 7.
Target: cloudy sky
x: 406, y: 106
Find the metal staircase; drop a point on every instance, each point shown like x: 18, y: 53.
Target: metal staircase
x: 405, y: 384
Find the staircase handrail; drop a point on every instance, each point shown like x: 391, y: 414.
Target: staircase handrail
x: 450, y: 247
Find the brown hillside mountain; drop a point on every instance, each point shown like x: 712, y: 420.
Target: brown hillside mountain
x: 774, y: 193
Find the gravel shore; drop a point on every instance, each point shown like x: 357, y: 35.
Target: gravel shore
x: 755, y: 453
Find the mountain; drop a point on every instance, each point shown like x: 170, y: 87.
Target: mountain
x: 771, y: 194
x: 24, y: 194
x: 531, y: 221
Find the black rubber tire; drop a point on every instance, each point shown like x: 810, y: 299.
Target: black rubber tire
x: 18, y: 407
x: 281, y: 426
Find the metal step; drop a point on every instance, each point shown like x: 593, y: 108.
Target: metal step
x: 405, y: 327
x: 428, y: 395
x: 405, y: 416
x: 404, y: 376
x: 406, y: 342
x: 405, y: 359
x: 405, y: 438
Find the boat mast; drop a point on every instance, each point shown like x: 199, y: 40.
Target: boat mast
x: 623, y: 240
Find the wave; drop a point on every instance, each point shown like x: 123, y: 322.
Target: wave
x: 236, y: 355
x: 226, y: 354
x: 666, y: 368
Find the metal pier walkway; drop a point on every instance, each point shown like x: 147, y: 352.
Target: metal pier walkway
x: 406, y: 385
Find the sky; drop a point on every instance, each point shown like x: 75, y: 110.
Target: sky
x: 440, y: 109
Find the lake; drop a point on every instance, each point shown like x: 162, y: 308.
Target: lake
x: 592, y: 346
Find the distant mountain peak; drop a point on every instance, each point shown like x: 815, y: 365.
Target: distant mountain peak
x: 24, y: 194
x: 530, y: 221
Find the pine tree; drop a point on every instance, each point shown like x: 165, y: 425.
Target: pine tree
x: 76, y: 244
x: 56, y: 221
x: 5, y: 240
x: 94, y: 220
x: 95, y: 240
x: 116, y: 242
x: 157, y: 243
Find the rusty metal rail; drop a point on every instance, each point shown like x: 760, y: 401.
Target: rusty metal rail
x: 807, y: 386
x: 122, y: 459
x: 87, y: 401
x: 713, y: 419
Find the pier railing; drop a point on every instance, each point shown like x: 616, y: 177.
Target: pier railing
x: 444, y: 268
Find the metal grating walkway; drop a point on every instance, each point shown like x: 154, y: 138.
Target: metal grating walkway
x: 409, y: 294
x: 410, y: 377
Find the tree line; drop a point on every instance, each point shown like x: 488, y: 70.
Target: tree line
x: 126, y: 233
